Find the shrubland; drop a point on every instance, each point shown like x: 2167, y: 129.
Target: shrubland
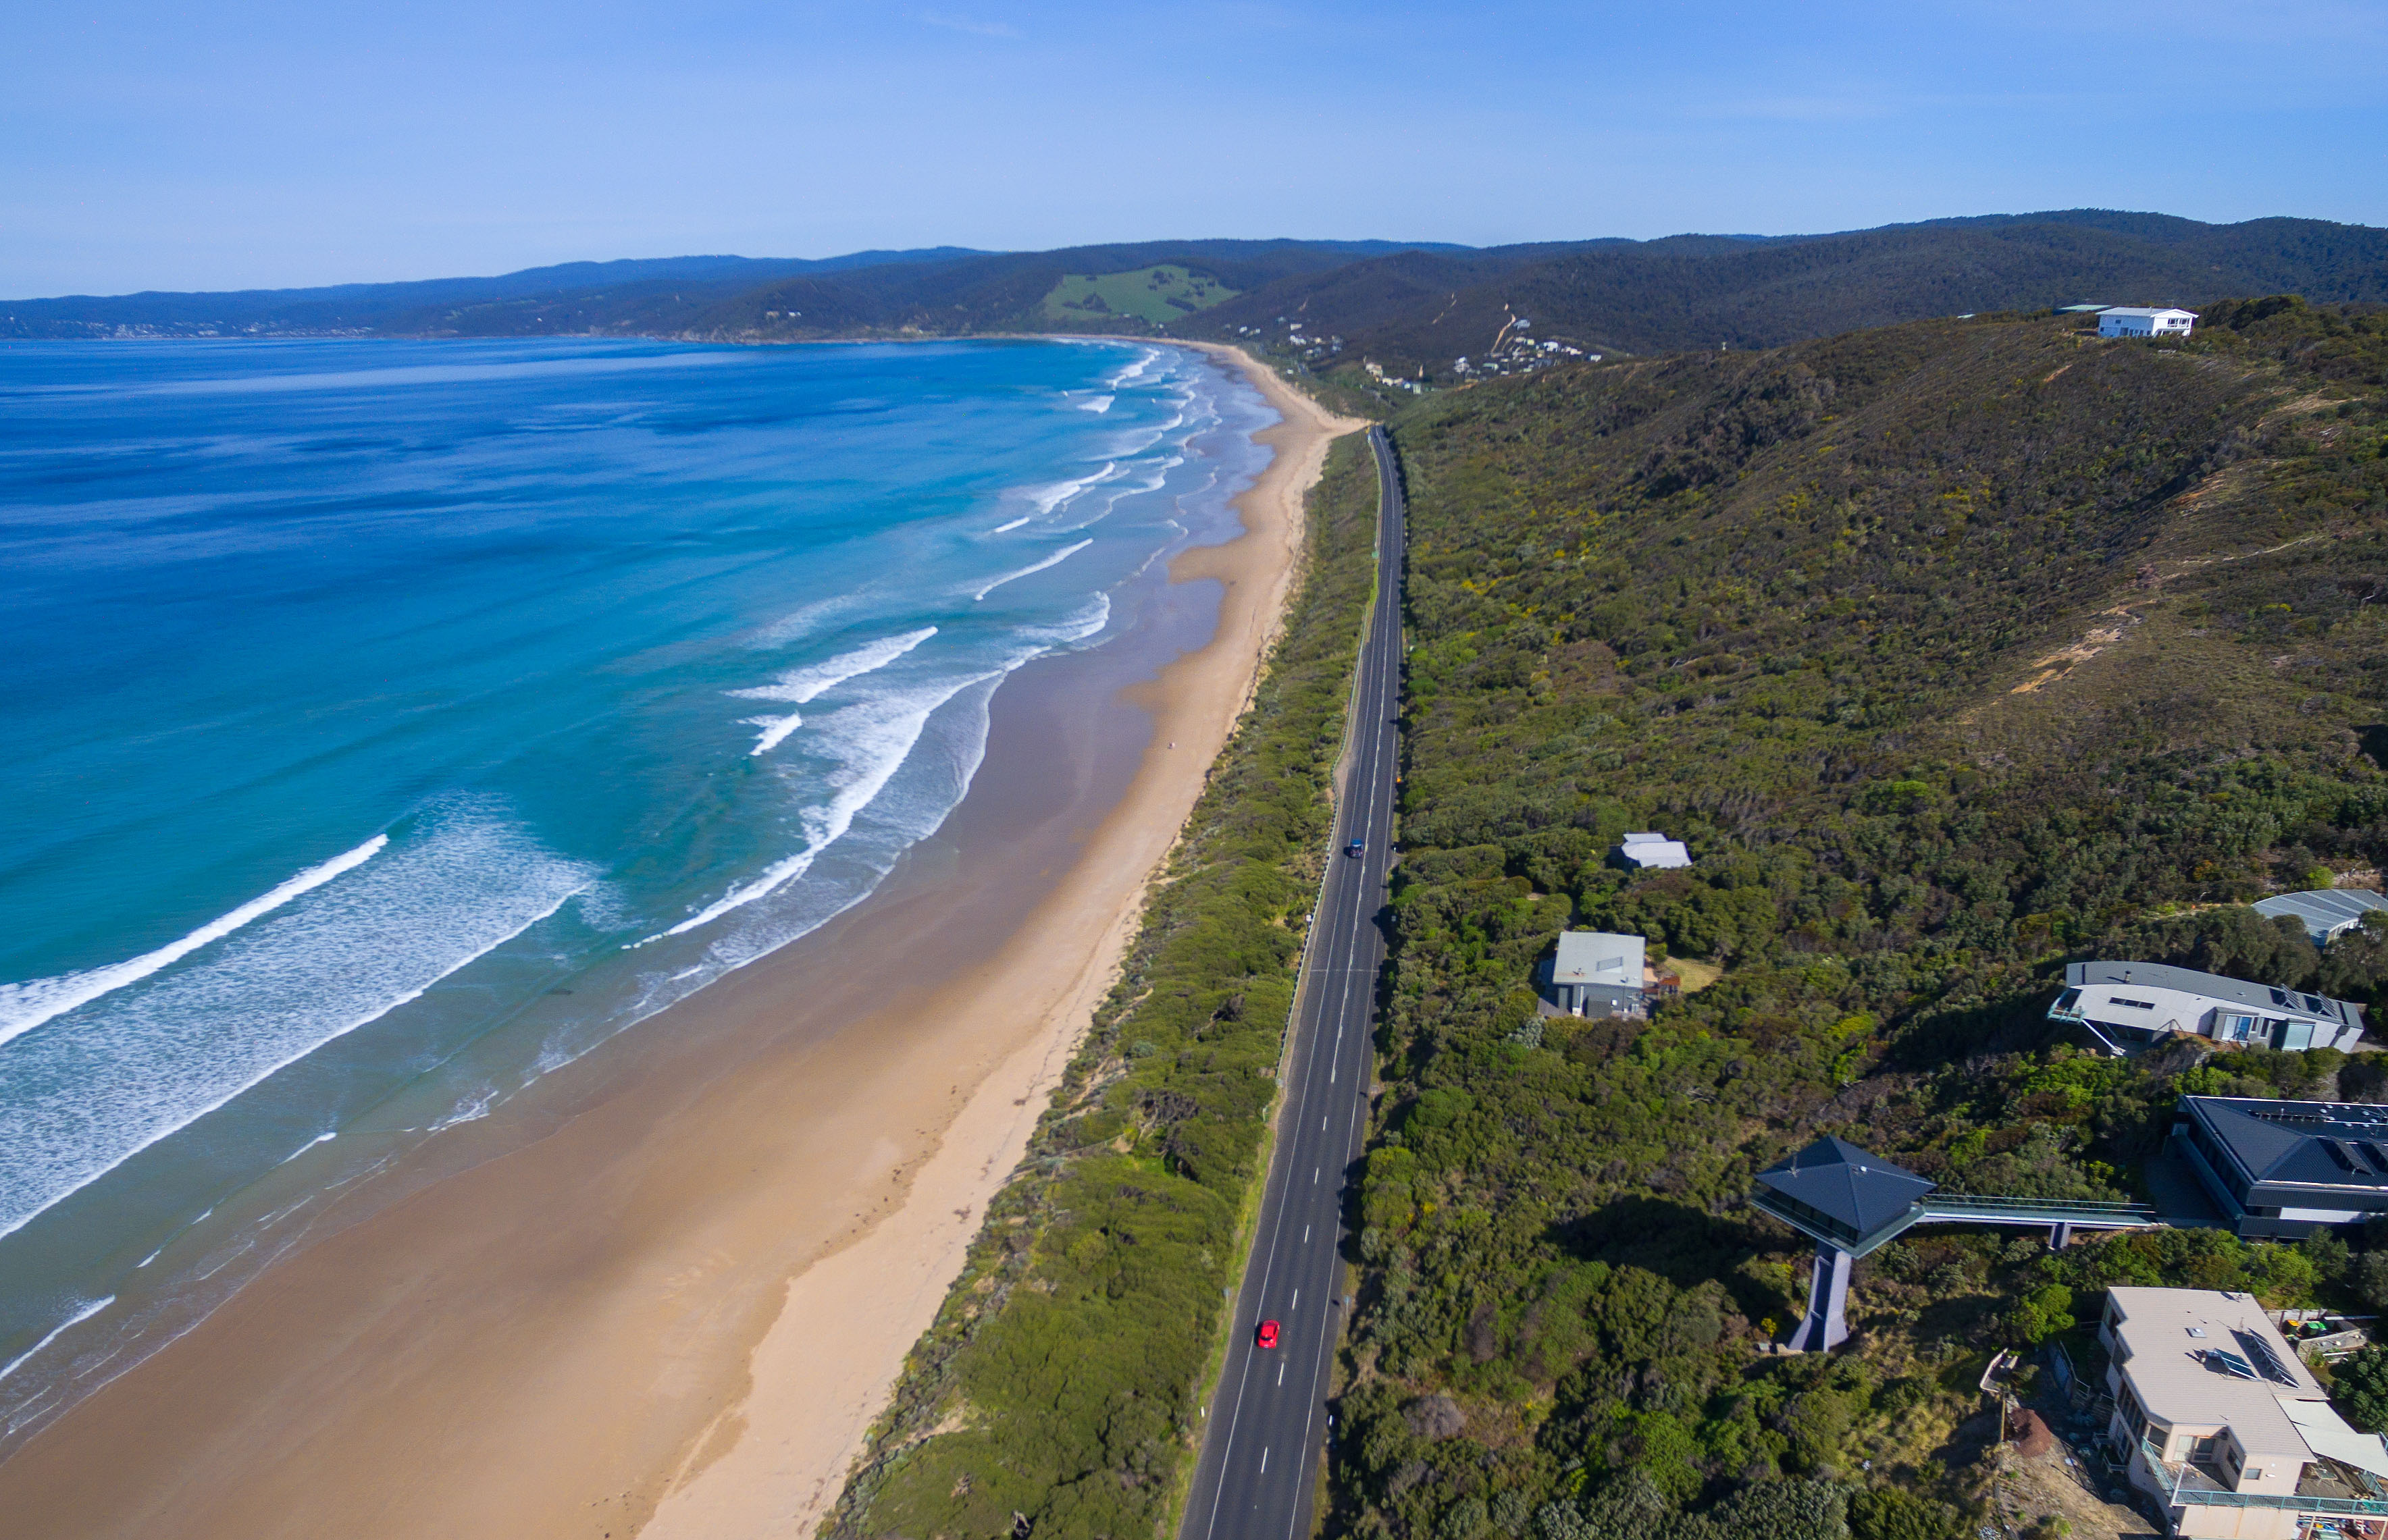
x: 1956, y: 650
x: 1058, y: 1390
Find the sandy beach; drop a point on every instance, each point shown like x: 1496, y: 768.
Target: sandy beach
x: 667, y: 1296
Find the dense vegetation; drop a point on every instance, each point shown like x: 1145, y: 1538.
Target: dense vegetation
x: 1409, y: 307
x: 1955, y: 651
x: 1061, y: 1379
x: 944, y: 291
x: 1413, y: 311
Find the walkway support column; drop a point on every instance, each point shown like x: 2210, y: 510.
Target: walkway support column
x: 1826, y: 1325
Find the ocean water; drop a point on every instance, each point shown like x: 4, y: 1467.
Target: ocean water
x: 392, y: 723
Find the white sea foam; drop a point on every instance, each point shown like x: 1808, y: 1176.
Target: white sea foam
x: 94, y: 1308
x: 870, y: 740
x: 1098, y: 405
x: 805, y: 620
x: 800, y: 685
x: 1053, y: 561
x: 101, y: 1086
x: 775, y: 730
x: 1119, y: 492
x: 470, y: 1110
x: 25, y: 1007
x: 1133, y: 371
x: 1060, y: 494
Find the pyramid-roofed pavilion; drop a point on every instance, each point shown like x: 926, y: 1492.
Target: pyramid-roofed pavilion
x: 1841, y: 1194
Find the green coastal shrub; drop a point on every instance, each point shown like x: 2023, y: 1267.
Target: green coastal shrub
x: 1062, y: 1381
x: 1954, y: 652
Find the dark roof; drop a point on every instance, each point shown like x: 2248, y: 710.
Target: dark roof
x: 1844, y: 1183
x: 2325, y: 1143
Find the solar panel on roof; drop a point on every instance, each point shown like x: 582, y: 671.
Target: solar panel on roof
x: 2265, y: 1358
x: 2230, y: 1363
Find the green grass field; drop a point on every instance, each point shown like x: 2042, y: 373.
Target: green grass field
x: 1158, y: 294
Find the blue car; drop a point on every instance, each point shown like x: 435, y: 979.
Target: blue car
x: 1356, y: 848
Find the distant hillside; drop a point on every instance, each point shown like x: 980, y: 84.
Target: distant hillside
x: 1411, y: 308
x: 1411, y: 314
x: 660, y: 293
x: 938, y: 289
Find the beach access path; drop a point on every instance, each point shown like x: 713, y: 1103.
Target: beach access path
x: 1265, y: 1428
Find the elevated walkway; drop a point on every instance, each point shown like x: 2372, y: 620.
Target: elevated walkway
x: 1849, y: 1202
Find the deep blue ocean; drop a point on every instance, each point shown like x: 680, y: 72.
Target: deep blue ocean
x: 391, y: 723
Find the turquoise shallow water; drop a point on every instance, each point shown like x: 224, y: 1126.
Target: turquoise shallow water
x: 391, y: 723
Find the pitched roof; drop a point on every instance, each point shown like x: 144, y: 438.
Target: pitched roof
x: 2300, y: 1141
x: 1844, y: 1183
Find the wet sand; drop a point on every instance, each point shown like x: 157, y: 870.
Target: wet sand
x: 680, y: 1286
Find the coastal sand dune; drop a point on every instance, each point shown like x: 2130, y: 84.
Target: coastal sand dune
x: 675, y: 1311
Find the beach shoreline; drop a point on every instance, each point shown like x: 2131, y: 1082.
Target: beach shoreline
x: 680, y: 1308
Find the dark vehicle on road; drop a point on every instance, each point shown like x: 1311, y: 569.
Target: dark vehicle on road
x: 1357, y: 847
x: 1266, y: 1336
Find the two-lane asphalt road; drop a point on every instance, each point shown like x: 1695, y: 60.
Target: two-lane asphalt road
x: 1267, y: 1424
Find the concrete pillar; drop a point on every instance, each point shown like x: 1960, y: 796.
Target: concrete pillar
x: 1826, y: 1325
x: 2060, y: 1236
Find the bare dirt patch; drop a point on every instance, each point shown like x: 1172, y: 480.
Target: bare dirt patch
x: 2029, y: 1488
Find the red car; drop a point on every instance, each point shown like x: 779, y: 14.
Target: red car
x: 1267, y: 1334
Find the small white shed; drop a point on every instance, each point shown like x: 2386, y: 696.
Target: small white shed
x: 2126, y: 320
x: 1650, y: 847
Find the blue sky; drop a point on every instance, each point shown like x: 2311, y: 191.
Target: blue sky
x: 146, y: 144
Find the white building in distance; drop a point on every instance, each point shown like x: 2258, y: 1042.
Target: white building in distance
x: 2326, y: 913
x: 2127, y: 321
x: 1650, y: 847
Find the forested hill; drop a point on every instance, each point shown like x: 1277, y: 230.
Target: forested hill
x: 1954, y: 651
x: 943, y: 290
x: 1412, y: 314
x: 1409, y: 307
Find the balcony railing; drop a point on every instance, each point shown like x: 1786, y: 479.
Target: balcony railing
x: 2079, y: 1211
x: 2193, y: 1488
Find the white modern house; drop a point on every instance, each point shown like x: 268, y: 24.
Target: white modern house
x: 2217, y: 1419
x: 2326, y: 913
x: 1598, y: 973
x: 1649, y: 848
x: 2128, y: 1005
x: 2129, y: 320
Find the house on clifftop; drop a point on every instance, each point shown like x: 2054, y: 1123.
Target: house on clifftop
x: 2126, y: 1006
x: 2281, y: 1170
x: 2130, y: 321
x: 2218, y: 1420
